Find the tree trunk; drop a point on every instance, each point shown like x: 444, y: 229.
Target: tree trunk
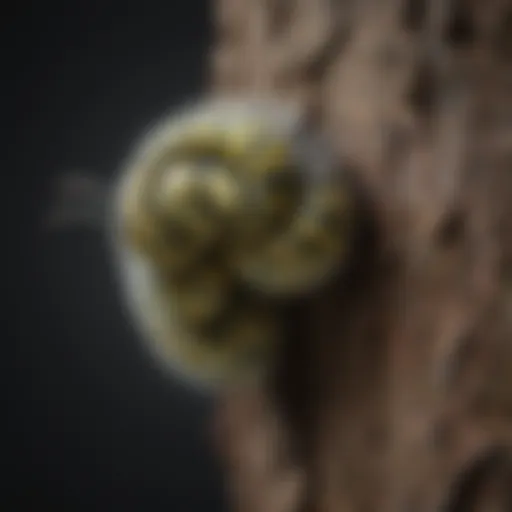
x: 395, y: 393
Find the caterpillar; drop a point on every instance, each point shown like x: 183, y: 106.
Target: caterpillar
x: 223, y: 212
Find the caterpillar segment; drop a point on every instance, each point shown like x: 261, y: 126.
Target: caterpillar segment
x: 314, y: 245
x: 201, y: 296
x: 181, y: 212
x: 236, y: 342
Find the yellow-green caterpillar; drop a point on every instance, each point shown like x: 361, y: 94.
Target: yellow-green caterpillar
x: 224, y: 211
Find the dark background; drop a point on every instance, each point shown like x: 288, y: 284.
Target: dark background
x: 92, y: 425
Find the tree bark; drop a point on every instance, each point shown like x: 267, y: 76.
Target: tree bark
x: 395, y: 392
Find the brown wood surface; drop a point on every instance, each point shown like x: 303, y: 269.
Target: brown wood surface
x: 395, y: 389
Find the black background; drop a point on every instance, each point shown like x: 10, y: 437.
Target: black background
x: 92, y: 425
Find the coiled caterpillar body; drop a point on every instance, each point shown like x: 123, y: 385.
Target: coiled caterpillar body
x: 225, y: 211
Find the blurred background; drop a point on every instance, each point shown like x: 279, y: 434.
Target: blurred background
x: 92, y: 425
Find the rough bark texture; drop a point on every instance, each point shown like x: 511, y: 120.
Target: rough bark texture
x: 395, y: 395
